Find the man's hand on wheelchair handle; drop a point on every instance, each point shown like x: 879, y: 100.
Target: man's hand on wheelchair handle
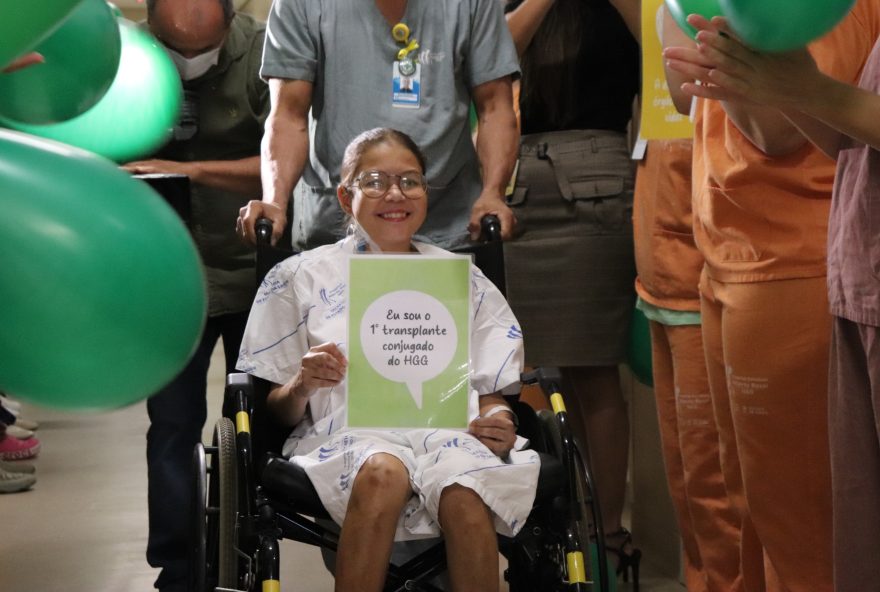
x: 253, y: 211
x: 497, y: 432
x: 491, y: 202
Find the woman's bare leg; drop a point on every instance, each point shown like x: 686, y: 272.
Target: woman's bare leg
x: 471, y: 545
x: 381, y: 489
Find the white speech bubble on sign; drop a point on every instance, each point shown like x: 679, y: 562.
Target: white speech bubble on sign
x: 413, y: 328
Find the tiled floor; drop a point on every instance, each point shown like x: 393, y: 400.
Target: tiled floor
x: 83, y: 528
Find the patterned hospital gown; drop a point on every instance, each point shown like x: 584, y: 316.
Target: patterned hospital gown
x: 302, y: 303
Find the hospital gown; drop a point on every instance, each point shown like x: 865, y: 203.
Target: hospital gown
x: 302, y: 303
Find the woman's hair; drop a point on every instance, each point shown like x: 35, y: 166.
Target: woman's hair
x: 548, y: 65
x: 356, y: 149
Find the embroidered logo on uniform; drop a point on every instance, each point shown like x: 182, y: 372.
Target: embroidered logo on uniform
x: 514, y: 332
x: 426, y: 56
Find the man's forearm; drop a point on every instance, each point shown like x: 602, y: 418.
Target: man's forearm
x: 241, y: 176
x: 285, y: 149
x: 497, y: 144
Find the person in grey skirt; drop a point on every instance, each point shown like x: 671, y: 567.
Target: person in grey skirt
x: 571, y: 270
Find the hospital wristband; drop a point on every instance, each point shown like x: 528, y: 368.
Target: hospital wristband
x: 499, y: 409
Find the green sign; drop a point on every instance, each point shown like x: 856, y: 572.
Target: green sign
x: 408, y: 341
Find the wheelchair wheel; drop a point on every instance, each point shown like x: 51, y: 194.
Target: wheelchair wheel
x: 198, y: 559
x: 214, y: 557
x: 224, y: 474
x: 590, y: 519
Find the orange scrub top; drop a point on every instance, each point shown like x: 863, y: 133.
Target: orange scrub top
x: 761, y: 218
x: 666, y: 257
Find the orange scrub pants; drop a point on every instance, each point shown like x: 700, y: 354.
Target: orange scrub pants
x: 767, y: 351
x: 709, y: 526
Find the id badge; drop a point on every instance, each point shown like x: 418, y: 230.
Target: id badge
x: 406, y: 84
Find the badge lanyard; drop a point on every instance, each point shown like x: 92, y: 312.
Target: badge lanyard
x: 406, y: 73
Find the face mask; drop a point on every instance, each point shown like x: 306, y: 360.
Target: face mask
x: 191, y: 68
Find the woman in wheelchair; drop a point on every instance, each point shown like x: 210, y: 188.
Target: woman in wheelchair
x: 394, y: 485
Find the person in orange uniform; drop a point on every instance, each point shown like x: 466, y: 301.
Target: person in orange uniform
x: 841, y: 120
x: 668, y: 265
x: 761, y: 200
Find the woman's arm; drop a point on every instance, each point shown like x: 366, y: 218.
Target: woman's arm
x: 495, y: 429
x: 631, y: 13
x: 324, y: 366
x: 676, y: 79
x: 821, y: 107
x: 762, y: 125
x: 524, y: 21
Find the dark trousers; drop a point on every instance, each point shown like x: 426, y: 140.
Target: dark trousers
x: 854, y: 422
x: 177, y: 415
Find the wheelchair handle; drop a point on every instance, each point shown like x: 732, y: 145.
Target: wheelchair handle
x: 263, y: 229
x: 490, y: 228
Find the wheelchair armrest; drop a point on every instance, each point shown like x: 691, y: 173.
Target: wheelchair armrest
x: 239, y: 381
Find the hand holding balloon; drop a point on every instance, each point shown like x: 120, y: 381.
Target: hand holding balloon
x: 730, y: 71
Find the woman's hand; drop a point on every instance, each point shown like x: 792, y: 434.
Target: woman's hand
x: 324, y: 366
x: 497, y: 432
x: 729, y: 70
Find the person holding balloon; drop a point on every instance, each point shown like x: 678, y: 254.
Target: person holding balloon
x: 216, y: 144
x: 761, y: 201
x: 841, y: 119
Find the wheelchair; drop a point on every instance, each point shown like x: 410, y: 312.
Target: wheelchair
x: 247, y: 497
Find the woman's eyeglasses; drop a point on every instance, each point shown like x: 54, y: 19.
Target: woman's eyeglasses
x: 376, y: 184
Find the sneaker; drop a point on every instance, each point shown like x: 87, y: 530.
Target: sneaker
x: 12, y: 448
x: 27, y: 424
x: 17, y: 467
x: 11, y: 405
x: 14, y: 482
x: 19, y: 432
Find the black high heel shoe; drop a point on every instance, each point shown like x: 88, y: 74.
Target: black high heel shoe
x: 619, y: 544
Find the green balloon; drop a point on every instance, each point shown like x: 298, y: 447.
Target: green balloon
x: 639, y: 348
x: 23, y: 26
x: 117, y: 12
x: 783, y: 25
x: 102, y: 290
x: 81, y: 59
x: 680, y: 9
x: 136, y: 115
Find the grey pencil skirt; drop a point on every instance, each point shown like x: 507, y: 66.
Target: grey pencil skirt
x: 571, y: 269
